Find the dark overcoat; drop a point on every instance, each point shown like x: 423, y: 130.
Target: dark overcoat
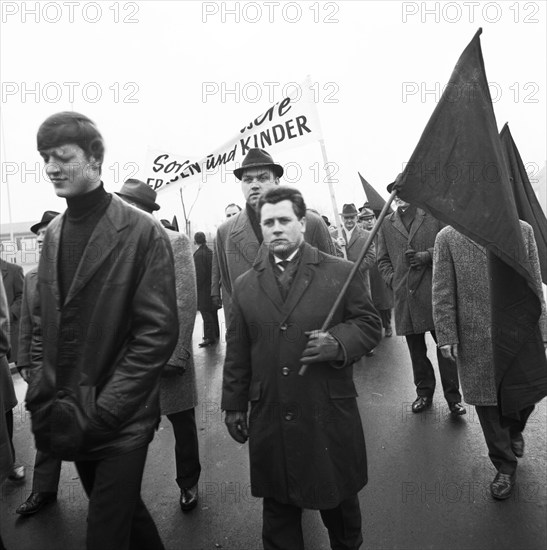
x: 13, y: 277
x: 203, y: 261
x: 356, y: 243
x: 236, y: 249
x: 105, y: 345
x: 411, y: 286
x: 306, y: 440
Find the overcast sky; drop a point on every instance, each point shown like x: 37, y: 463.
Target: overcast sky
x: 140, y: 69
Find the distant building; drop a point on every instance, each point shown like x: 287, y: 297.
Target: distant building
x: 23, y: 249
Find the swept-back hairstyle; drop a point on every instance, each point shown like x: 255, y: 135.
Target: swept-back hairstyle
x: 284, y: 193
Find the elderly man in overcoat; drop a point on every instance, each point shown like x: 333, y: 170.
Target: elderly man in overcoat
x: 306, y: 442
x: 461, y: 310
x: 405, y: 259
x: 239, y: 237
x: 178, y: 392
x: 106, y: 286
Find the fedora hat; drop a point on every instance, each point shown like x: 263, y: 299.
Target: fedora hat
x: 47, y: 216
x: 349, y: 210
x: 256, y: 158
x: 137, y: 191
x: 394, y: 183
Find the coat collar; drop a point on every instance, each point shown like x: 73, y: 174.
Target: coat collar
x: 302, y: 280
x: 105, y: 237
x: 243, y: 236
x: 398, y: 224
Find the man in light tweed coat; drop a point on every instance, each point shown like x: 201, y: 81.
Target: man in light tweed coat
x: 461, y: 310
x: 178, y: 393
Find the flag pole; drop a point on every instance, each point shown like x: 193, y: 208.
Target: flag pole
x: 332, y: 195
x: 354, y: 269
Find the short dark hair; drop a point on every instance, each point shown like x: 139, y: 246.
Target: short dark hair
x: 284, y: 193
x: 233, y: 204
x: 69, y: 127
x: 199, y: 238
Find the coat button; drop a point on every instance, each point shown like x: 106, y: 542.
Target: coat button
x: 289, y: 416
x: 283, y: 327
x: 61, y: 394
x: 285, y: 371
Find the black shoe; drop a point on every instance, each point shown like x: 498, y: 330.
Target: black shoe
x: 206, y: 342
x: 457, y: 409
x: 502, y: 486
x: 189, y: 498
x: 35, y: 502
x: 389, y: 332
x: 421, y: 404
x: 517, y: 445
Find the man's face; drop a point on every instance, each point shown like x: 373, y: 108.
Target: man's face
x: 283, y: 232
x: 256, y: 181
x: 368, y: 223
x: 40, y: 237
x: 70, y: 170
x: 349, y: 222
x: 400, y: 203
x: 231, y: 211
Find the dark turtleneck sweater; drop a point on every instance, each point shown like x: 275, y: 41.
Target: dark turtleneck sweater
x: 82, y: 215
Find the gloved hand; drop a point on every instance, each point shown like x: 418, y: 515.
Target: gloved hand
x: 450, y: 351
x: 236, y: 422
x: 321, y: 346
x: 417, y: 259
x: 216, y: 301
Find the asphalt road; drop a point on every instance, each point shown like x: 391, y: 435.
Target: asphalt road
x: 429, y: 476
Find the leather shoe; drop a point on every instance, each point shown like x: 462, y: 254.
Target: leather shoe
x: 35, y: 502
x: 457, y: 409
x: 370, y: 353
x: 189, y: 498
x: 502, y: 486
x: 421, y: 404
x: 389, y: 332
x: 17, y: 474
x: 517, y: 445
x: 206, y: 342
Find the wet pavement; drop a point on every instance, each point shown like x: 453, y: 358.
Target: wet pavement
x: 429, y: 476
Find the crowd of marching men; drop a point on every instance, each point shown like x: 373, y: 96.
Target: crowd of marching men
x: 104, y: 341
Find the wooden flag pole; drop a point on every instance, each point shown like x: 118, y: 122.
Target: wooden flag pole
x: 332, y: 196
x: 354, y: 269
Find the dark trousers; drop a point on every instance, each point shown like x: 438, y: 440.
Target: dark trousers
x: 282, y: 525
x: 47, y: 470
x: 9, y: 425
x: 498, y: 438
x: 211, y: 330
x: 186, y: 448
x: 385, y: 315
x: 117, y: 518
x: 424, y: 375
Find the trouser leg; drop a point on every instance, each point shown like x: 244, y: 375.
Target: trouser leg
x: 385, y: 315
x: 344, y: 525
x: 281, y: 526
x: 498, y: 440
x: 208, y: 325
x: 47, y: 470
x: 424, y: 375
x: 449, y: 376
x: 117, y: 517
x: 186, y: 448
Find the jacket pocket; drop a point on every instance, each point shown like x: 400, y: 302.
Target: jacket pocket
x: 342, y: 388
x: 255, y: 391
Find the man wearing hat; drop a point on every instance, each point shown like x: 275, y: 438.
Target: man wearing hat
x: 107, y: 303
x: 178, y: 392
x: 382, y: 295
x: 405, y: 260
x: 354, y: 239
x: 239, y: 238
x: 47, y: 468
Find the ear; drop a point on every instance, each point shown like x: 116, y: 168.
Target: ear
x: 303, y: 222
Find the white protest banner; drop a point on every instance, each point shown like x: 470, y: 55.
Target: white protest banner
x: 291, y: 122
